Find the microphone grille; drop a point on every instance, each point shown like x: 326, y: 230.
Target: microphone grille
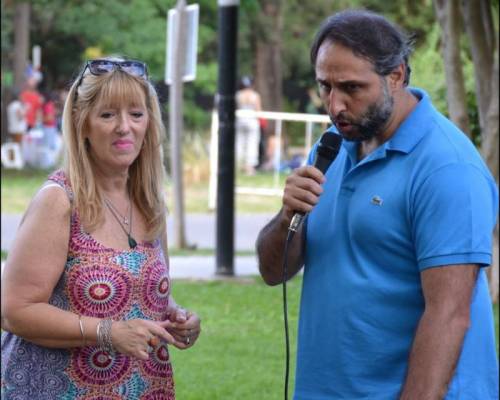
x: 331, y: 140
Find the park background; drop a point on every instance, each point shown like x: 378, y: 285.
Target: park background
x: 241, y: 352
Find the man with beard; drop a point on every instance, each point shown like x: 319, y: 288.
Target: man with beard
x: 395, y: 301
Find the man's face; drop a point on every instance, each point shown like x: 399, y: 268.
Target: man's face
x: 357, y: 99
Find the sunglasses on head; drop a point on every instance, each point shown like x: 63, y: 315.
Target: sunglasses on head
x: 101, y: 67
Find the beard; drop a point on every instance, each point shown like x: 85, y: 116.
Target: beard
x: 371, y: 123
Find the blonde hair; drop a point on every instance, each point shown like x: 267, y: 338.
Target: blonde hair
x: 146, y: 174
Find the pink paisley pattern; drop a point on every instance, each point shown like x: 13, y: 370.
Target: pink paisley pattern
x: 156, y: 288
x: 93, y: 366
x: 158, y: 364
x: 104, y: 289
x: 105, y: 283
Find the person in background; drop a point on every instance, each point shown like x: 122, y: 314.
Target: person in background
x: 16, y: 118
x: 87, y: 308
x: 49, y: 119
x: 395, y: 301
x: 248, y: 128
x: 33, y: 101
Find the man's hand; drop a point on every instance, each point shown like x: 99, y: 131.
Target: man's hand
x: 302, y: 190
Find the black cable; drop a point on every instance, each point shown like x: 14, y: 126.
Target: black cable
x: 285, y: 310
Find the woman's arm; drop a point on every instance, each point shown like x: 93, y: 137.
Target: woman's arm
x: 33, y: 268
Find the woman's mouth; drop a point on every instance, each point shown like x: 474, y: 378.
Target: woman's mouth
x: 122, y: 144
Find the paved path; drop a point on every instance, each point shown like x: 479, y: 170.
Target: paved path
x: 200, y: 231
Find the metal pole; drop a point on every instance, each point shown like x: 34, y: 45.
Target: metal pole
x: 228, y: 33
x: 176, y: 125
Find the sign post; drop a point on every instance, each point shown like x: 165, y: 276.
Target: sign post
x: 180, y: 66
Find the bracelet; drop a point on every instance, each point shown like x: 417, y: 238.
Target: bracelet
x: 82, y: 330
x: 104, y: 335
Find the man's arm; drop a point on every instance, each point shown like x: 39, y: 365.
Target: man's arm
x: 441, y: 330
x: 271, y: 247
x: 302, y: 191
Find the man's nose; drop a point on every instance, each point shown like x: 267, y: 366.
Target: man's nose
x: 336, y: 103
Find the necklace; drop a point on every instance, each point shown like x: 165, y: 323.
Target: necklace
x: 126, y: 221
x: 124, y: 218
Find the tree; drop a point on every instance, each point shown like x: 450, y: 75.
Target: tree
x: 268, y: 52
x: 450, y: 19
x: 482, y: 36
x: 21, y: 42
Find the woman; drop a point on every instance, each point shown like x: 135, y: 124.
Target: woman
x: 86, y: 304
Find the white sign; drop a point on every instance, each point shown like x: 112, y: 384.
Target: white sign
x: 191, y: 47
x: 228, y: 3
x: 37, y: 57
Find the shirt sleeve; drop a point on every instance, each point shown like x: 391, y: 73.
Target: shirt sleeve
x: 454, y: 213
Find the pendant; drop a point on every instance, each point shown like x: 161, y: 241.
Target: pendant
x: 131, y: 242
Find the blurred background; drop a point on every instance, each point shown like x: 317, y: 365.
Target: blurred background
x: 46, y: 42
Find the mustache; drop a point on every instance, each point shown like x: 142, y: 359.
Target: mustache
x: 341, y: 119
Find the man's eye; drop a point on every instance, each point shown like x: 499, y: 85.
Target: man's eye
x: 323, y: 87
x: 352, y: 87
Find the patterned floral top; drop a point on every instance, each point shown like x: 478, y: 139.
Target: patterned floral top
x: 97, y: 282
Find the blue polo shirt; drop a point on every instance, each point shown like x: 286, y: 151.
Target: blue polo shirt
x: 422, y: 199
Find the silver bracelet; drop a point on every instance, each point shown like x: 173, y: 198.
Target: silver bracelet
x: 104, y: 335
x: 82, y: 331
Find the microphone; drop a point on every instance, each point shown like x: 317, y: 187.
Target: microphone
x: 326, y: 152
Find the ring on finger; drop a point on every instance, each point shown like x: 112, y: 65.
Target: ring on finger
x: 188, y: 340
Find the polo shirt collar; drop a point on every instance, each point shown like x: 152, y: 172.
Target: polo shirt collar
x: 406, y: 137
x: 414, y: 127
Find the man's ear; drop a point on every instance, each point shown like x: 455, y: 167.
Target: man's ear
x: 397, y: 77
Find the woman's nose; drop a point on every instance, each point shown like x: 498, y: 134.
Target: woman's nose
x: 123, y: 123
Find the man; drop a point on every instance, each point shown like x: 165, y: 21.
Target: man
x: 395, y: 301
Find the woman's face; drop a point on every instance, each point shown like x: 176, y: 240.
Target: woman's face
x: 116, y: 134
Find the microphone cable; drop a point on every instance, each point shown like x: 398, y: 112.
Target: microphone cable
x: 326, y: 151
x: 285, y: 310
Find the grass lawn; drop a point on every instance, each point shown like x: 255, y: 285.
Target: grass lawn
x: 241, y: 352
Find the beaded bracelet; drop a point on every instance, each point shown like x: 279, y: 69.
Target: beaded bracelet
x: 82, y: 330
x: 104, y: 335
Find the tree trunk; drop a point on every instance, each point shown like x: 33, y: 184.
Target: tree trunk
x: 21, y: 42
x: 484, y: 47
x: 481, y: 33
x: 449, y: 17
x: 489, y: 149
x: 268, y: 71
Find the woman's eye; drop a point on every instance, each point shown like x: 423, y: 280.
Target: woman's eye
x: 106, y: 115
x: 137, y: 114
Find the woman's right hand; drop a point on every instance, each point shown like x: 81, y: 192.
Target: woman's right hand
x: 135, y: 337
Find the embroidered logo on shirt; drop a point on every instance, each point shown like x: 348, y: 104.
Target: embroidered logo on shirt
x: 377, y: 200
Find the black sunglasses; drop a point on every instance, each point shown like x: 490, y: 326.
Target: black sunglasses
x: 100, y: 67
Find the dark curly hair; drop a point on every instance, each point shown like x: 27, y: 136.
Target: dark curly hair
x: 367, y: 35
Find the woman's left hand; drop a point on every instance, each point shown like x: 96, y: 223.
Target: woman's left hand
x: 184, y: 326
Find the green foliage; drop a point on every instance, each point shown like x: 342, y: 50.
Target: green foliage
x: 428, y: 70
x: 66, y: 29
